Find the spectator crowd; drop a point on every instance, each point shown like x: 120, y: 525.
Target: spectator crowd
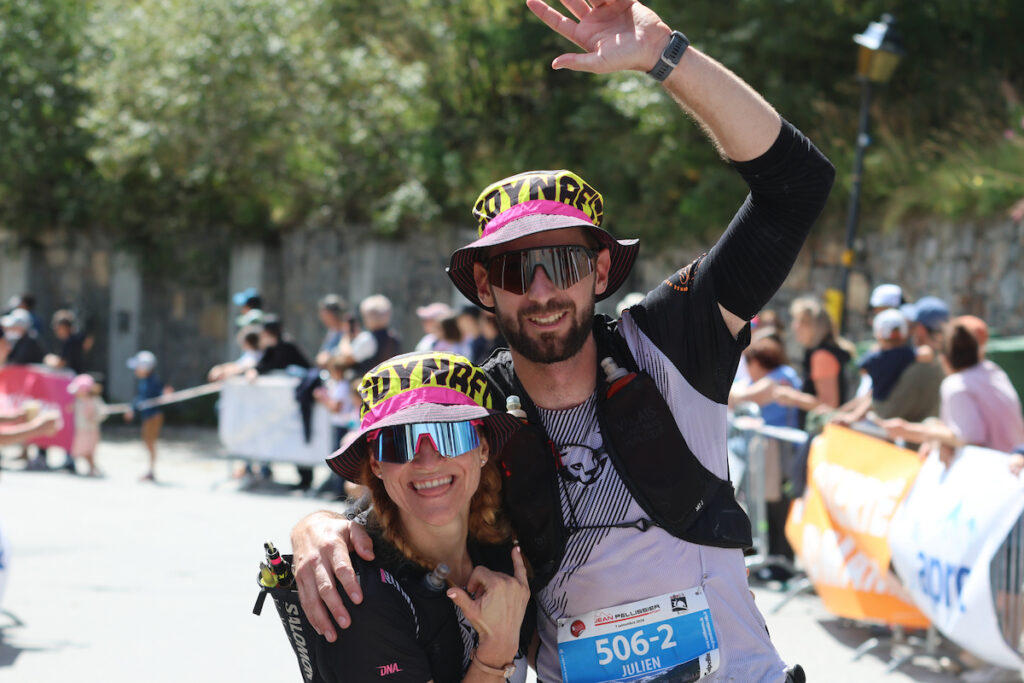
x: 921, y: 379
x: 355, y: 340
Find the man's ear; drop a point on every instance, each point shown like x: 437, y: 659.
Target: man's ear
x: 483, y: 288
x: 601, y: 269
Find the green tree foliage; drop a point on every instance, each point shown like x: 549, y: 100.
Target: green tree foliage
x: 223, y: 118
x: 244, y: 117
x: 46, y: 181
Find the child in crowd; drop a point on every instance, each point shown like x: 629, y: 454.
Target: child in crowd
x: 90, y: 411
x: 341, y: 399
x: 893, y: 355
x: 148, y: 386
x: 248, y: 340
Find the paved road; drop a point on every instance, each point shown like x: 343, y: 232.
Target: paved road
x: 115, y: 580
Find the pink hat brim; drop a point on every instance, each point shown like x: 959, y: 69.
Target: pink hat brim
x: 347, y: 462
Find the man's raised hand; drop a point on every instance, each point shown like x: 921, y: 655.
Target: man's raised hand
x: 618, y: 35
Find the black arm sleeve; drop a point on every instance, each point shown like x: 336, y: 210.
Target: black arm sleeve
x: 788, y: 187
x: 681, y: 317
x: 381, y: 642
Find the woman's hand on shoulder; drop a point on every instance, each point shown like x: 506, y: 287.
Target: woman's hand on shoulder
x: 495, y: 606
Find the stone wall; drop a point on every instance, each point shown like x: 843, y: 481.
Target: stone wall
x: 122, y: 307
x: 191, y: 327
x: 317, y: 261
x: 973, y: 266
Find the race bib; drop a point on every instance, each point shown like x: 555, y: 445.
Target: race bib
x: 671, y: 635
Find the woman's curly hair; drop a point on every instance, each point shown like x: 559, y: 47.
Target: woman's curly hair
x: 487, y: 523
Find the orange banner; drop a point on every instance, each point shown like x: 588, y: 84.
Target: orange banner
x: 839, y: 528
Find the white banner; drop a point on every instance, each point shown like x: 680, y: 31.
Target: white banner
x: 261, y: 420
x: 5, y: 561
x: 943, y: 540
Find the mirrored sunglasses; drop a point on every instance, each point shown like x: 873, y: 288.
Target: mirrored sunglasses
x: 399, y: 444
x: 513, y: 271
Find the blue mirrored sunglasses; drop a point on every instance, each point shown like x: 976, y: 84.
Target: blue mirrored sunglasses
x: 399, y: 444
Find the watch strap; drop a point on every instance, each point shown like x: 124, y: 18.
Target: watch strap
x: 670, y: 56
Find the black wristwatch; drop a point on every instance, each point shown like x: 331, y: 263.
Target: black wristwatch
x: 670, y: 57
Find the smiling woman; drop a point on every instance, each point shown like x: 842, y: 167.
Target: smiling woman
x: 427, y: 450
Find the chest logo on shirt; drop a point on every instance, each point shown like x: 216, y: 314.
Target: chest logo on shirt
x: 582, y: 464
x: 388, y: 669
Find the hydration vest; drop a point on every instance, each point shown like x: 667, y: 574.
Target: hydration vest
x: 646, y: 449
x: 438, y: 631
x: 433, y: 612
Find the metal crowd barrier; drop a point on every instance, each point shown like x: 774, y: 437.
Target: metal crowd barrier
x: 1006, y: 573
x: 760, y: 457
x: 752, y: 448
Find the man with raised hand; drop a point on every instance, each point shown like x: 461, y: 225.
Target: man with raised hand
x: 645, y: 527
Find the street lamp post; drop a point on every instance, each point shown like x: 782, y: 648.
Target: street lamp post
x: 878, y: 56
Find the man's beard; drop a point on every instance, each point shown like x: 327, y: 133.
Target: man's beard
x: 548, y: 347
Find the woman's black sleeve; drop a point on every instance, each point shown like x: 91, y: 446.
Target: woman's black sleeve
x: 381, y: 642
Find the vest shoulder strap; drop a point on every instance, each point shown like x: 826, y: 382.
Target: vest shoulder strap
x: 500, y: 369
x: 611, y: 343
x: 503, y: 378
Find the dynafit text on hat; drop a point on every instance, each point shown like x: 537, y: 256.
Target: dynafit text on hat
x: 534, y: 202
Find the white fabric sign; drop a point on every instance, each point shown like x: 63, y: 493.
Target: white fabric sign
x: 943, y: 539
x: 261, y: 420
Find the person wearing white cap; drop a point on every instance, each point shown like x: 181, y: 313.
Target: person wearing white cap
x: 886, y: 296
x: 883, y: 297
x: 25, y: 348
x: 914, y: 393
x: 886, y: 363
x: 148, y: 386
x: 915, y: 397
